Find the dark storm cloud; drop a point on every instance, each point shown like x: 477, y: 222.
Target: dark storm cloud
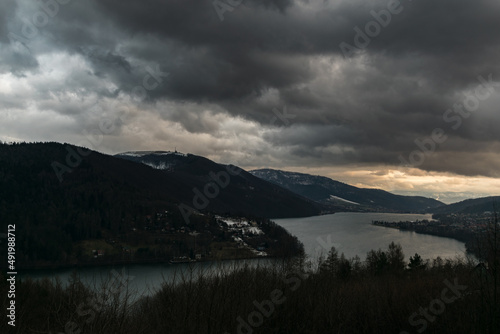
x: 270, y: 54
x: 16, y: 61
x: 7, y: 10
x: 14, y: 58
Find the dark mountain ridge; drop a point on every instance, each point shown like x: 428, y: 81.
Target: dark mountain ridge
x: 203, y: 181
x: 342, y: 196
x: 470, y: 206
x: 66, y: 201
x: 26, y: 167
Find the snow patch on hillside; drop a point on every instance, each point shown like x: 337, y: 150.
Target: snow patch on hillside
x: 162, y: 165
x: 242, y: 226
x: 342, y: 199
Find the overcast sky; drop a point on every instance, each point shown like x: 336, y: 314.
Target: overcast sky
x: 402, y: 96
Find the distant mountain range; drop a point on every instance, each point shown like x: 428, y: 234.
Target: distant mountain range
x: 63, y: 196
x: 329, y: 195
x: 175, y: 178
x: 43, y: 172
x: 340, y: 196
x: 66, y: 201
x: 476, y: 205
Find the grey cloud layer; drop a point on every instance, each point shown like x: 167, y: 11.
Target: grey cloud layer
x: 267, y: 54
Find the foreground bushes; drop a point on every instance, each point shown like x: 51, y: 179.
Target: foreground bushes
x: 339, y: 295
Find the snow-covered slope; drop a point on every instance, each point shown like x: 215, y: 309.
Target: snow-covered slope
x: 164, y: 160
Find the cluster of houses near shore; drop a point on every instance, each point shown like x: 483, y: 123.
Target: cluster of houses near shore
x: 241, y: 229
x: 460, y: 226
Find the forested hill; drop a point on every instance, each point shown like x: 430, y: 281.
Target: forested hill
x: 40, y: 175
x: 100, y: 193
x: 59, y: 194
x: 345, y: 197
x: 474, y: 205
x: 243, y: 193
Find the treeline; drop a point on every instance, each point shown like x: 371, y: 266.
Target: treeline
x: 100, y: 197
x: 50, y: 215
x: 381, y: 294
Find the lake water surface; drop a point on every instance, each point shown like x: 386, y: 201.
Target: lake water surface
x: 351, y: 233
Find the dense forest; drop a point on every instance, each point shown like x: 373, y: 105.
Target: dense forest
x: 382, y: 294
x: 101, y: 202
x: 51, y: 215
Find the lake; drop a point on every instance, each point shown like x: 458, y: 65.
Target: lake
x: 351, y: 233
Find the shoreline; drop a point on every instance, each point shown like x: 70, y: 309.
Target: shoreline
x: 465, y: 242
x: 100, y: 263
x: 123, y: 263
